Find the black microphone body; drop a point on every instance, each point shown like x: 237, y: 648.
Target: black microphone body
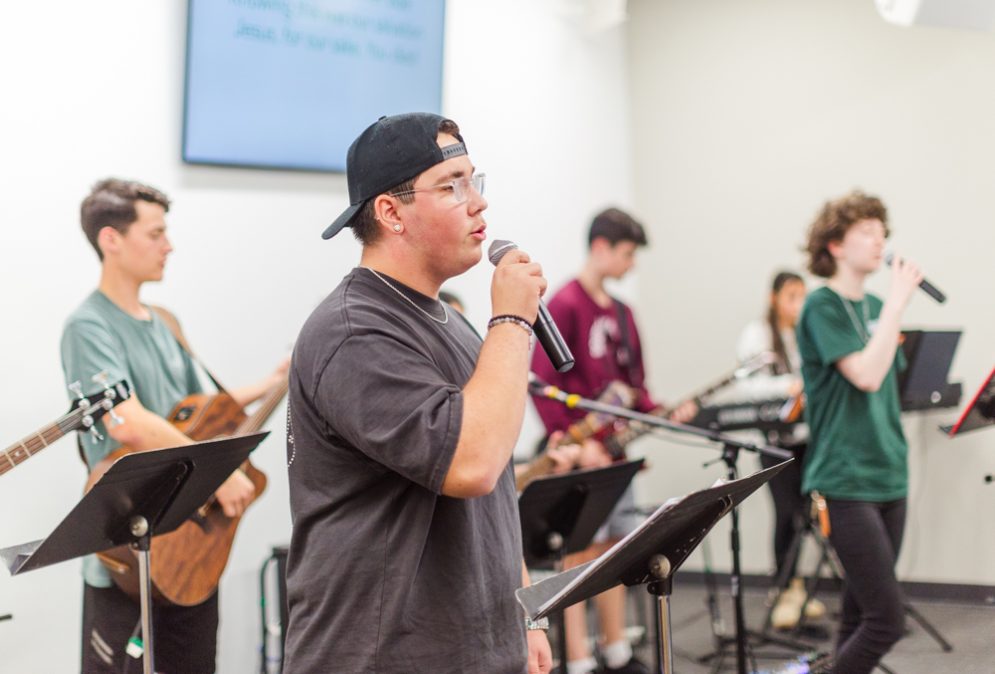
x: 545, y: 329
x: 932, y: 291
x: 924, y: 285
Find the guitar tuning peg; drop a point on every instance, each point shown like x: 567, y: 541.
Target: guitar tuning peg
x: 88, y: 424
x: 77, y: 389
x: 100, y: 378
x: 116, y: 418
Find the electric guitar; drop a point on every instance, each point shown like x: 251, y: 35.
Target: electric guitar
x: 625, y: 432
x: 187, y: 563
x: 84, y: 414
x: 622, y: 395
x: 617, y: 394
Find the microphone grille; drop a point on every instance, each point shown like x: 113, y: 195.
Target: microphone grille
x: 498, y: 249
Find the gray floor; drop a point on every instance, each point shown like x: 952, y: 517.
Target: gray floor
x: 969, y: 628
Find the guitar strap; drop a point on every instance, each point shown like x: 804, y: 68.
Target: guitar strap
x: 173, y: 324
x: 624, y: 355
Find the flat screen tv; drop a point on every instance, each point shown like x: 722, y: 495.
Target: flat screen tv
x: 290, y: 83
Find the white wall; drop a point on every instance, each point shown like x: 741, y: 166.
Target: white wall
x: 747, y: 116
x: 95, y: 89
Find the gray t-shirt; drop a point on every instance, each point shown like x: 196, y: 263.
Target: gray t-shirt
x: 385, y: 574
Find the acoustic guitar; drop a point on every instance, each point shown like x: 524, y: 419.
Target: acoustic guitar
x: 186, y: 564
x: 85, y: 412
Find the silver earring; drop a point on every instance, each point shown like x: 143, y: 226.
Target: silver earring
x: 397, y: 227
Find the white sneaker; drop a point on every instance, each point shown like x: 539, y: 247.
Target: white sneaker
x: 788, y: 609
x: 814, y: 609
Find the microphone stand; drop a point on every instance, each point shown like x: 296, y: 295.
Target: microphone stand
x: 730, y: 452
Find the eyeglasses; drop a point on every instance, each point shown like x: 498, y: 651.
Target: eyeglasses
x: 459, y: 187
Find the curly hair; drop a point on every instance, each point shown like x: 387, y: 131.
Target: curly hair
x: 111, y: 203
x: 834, y: 220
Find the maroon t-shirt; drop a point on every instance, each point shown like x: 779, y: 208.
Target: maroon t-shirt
x: 593, y: 335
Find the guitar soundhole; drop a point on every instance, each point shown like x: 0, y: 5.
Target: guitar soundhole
x: 183, y: 414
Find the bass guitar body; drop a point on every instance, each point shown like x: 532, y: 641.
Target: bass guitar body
x: 187, y: 563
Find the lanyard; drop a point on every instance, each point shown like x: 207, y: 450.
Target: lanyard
x: 861, y: 328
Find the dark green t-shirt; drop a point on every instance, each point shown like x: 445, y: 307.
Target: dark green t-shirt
x: 857, y: 450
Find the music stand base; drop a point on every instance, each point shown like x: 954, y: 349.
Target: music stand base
x: 740, y: 641
x: 929, y: 628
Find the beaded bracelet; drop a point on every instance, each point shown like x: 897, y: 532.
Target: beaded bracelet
x: 510, y: 318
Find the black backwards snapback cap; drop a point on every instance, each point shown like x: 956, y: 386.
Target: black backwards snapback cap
x: 391, y: 150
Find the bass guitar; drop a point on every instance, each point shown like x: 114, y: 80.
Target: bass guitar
x: 187, y: 563
x: 83, y: 415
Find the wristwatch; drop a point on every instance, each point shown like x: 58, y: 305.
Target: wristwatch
x: 540, y: 624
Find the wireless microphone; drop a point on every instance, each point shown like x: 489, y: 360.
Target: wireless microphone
x: 925, y: 285
x: 545, y: 328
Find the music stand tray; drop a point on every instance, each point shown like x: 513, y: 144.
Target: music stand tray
x: 649, y: 555
x: 561, y: 513
x: 923, y: 384
x: 142, y: 495
x: 981, y: 411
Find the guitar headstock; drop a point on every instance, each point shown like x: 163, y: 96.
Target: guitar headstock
x: 754, y: 364
x: 619, y: 394
x: 616, y: 393
x: 88, y: 410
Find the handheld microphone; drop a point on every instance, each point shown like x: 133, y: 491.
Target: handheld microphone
x: 925, y: 285
x: 545, y: 328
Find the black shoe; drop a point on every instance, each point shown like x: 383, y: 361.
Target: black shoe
x: 633, y: 666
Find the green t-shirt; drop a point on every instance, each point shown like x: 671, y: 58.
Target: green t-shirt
x: 857, y: 450
x: 100, y: 337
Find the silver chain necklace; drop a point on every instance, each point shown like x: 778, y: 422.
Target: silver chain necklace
x: 862, y: 332
x: 445, y: 312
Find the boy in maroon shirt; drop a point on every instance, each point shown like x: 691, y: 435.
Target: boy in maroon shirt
x: 601, y: 332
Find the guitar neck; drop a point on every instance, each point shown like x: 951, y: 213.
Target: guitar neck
x: 270, y: 401
x: 539, y: 466
x: 633, y: 430
x: 22, y: 451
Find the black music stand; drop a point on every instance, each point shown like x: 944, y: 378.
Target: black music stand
x: 140, y: 496
x: 730, y: 451
x: 923, y: 384
x: 981, y: 411
x: 560, y: 515
x: 650, y: 556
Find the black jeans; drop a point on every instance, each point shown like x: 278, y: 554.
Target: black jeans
x: 185, y: 636
x: 867, y: 537
x: 789, y: 506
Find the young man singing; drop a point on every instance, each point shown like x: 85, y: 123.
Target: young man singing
x: 406, y: 549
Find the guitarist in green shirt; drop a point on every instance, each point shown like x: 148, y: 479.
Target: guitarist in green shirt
x: 113, y: 331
